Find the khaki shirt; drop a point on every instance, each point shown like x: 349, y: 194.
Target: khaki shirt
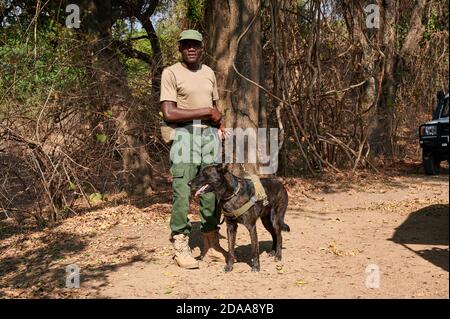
x: 189, y: 89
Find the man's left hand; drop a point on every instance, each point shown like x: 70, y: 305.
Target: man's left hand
x: 223, y: 132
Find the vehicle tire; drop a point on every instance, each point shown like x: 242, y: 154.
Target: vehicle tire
x: 431, y: 163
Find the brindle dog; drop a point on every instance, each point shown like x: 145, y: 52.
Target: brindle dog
x: 233, y: 192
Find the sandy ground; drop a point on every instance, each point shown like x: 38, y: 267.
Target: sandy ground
x: 398, y: 225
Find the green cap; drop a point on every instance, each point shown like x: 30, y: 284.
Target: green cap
x: 190, y: 35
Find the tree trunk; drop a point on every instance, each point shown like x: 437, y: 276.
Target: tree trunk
x: 234, y: 37
x: 109, y: 79
x: 367, y: 57
x: 383, y: 137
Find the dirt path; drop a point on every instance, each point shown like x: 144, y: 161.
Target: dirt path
x: 398, y: 224
x: 332, y: 241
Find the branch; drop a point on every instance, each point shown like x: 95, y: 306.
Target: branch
x: 127, y: 49
x: 139, y: 38
x: 344, y: 90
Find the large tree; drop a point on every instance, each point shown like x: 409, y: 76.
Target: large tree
x: 234, y: 47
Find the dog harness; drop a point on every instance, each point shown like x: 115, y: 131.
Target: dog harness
x: 260, y: 195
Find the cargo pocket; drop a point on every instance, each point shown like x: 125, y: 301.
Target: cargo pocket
x: 177, y: 172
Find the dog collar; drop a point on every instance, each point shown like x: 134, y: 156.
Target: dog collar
x: 234, y: 193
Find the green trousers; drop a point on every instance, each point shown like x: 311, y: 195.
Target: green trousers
x: 191, y: 151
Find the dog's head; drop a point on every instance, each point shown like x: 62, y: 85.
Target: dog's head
x: 211, y: 178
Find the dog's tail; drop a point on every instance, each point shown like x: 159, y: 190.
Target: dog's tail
x: 285, y: 227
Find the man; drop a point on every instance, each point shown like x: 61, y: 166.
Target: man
x: 189, y: 93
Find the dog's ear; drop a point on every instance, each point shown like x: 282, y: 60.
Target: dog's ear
x: 224, y: 167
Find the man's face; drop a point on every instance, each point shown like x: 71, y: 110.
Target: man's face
x: 191, y: 51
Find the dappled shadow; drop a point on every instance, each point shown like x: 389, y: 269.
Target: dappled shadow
x: 402, y: 168
x: 113, y: 195
x: 41, y: 272
x: 9, y: 227
x: 390, y: 176
x: 97, y: 277
x: 161, y: 197
x: 427, y: 226
x: 414, y: 170
x: 36, y: 267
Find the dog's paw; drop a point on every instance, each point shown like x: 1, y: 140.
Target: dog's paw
x: 228, y: 268
x: 255, y: 269
x: 271, y: 253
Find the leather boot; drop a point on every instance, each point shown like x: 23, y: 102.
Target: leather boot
x: 183, y: 255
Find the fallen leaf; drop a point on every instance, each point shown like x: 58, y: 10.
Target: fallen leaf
x: 101, y: 138
x: 95, y: 197
x: 279, y: 269
x: 300, y: 282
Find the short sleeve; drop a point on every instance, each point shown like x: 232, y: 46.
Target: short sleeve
x: 215, y: 91
x: 168, y: 86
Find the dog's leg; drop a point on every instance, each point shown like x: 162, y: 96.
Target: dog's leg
x: 268, y: 225
x: 279, y: 243
x: 231, y: 234
x: 255, y: 246
x: 277, y: 223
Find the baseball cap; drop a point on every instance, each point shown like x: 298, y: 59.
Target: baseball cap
x: 190, y: 35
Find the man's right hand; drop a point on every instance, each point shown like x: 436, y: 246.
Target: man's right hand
x: 216, y: 116
x: 173, y: 114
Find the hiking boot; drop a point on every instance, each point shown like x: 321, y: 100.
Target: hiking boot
x: 211, y: 247
x: 183, y: 255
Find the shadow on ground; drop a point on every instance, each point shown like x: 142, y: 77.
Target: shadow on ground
x: 243, y: 252
x: 36, y: 267
x: 427, y: 226
x: 41, y: 272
